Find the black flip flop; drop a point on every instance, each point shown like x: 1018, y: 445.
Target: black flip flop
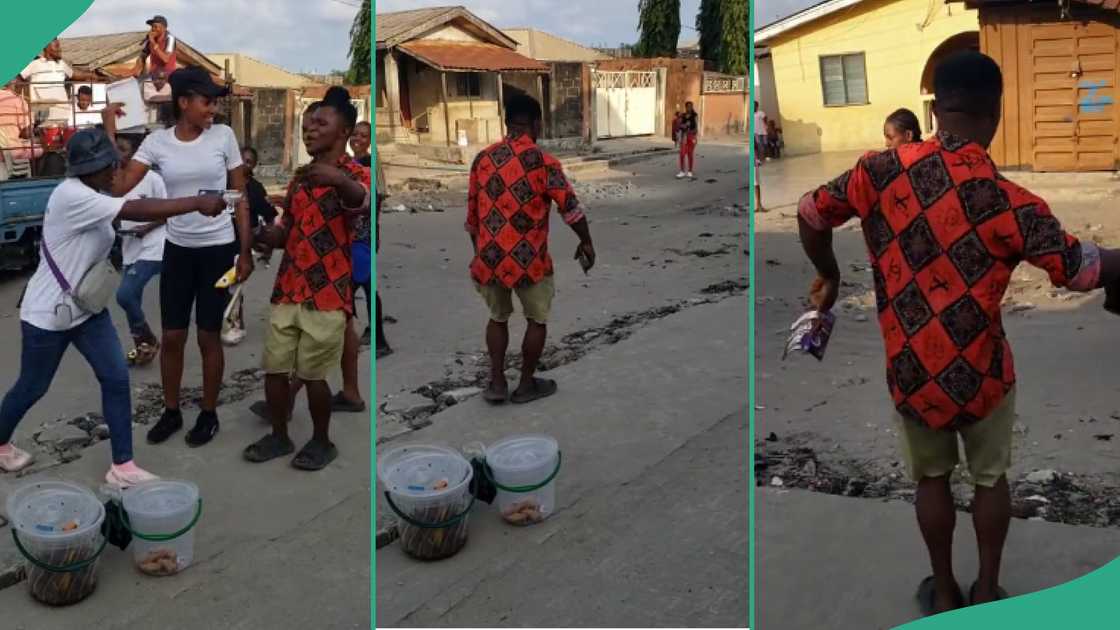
x: 542, y: 388
x: 927, y: 597
x: 343, y: 404
x: 268, y: 448
x: 315, y: 456
x: 1000, y: 594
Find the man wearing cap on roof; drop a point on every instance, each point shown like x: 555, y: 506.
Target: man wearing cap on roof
x: 77, y: 236
x: 158, y: 54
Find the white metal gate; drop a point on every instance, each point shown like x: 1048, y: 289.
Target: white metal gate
x: 625, y: 103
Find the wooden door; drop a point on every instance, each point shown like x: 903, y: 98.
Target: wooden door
x: 1073, y: 74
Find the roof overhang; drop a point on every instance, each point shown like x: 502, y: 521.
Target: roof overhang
x: 801, y: 18
x: 450, y: 56
x: 439, y: 18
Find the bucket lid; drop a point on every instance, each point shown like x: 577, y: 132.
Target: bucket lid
x: 522, y: 452
x: 423, y: 470
x: 161, y: 497
x: 54, y: 509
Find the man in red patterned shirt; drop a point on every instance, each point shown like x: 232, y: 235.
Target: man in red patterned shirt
x: 312, y: 300
x: 512, y: 187
x: 944, y: 231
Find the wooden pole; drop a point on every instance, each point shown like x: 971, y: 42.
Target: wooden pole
x: 501, y: 107
x: 446, y: 112
x: 545, y: 113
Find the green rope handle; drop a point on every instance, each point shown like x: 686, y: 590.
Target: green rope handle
x: 162, y: 537
x: 415, y: 523
x: 523, y: 489
x: 69, y: 568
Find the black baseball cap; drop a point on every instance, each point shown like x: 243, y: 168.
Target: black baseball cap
x: 89, y: 152
x: 195, y: 80
x: 159, y: 19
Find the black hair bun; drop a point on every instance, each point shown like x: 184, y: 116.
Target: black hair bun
x: 337, y: 95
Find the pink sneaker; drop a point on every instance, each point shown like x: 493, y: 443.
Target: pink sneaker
x: 127, y: 475
x: 13, y: 459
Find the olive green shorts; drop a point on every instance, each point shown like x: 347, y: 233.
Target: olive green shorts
x: 303, y: 341
x: 987, y: 446
x: 536, y: 300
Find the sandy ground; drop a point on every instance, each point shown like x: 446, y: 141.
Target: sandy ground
x: 827, y: 426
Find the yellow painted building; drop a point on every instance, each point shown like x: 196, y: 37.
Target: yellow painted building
x: 841, y: 67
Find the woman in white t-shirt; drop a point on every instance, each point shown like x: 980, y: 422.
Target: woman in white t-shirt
x: 78, y: 234
x: 142, y: 251
x: 193, y: 156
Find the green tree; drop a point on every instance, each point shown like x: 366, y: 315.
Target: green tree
x: 734, y: 44
x: 660, y: 24
x: 709, y: 25
x: 360, y: 51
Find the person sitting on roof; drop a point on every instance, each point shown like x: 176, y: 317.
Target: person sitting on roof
x: 158, y: 53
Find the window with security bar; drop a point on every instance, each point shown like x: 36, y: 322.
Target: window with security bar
x: 844, y: 80
x: 468, y: 84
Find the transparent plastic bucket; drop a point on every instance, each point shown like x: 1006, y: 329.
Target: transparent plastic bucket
x: 524, y: 469
x: 429, y: 489
x: 162, y: 516
x: 57, y: 527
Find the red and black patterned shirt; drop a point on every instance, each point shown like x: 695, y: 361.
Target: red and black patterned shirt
x: 512, y: 186
x: 944, y: 230
x: 316, y: 266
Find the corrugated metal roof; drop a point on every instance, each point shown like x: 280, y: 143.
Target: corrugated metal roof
x: 393, y: 29
x: 470, y: 57
x: 98, y: 51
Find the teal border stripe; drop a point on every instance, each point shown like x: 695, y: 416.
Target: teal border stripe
x: 36, y: 28
x: 753, y: 256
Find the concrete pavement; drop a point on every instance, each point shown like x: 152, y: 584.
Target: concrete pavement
x: 825, y: 561
x: 651, y: 526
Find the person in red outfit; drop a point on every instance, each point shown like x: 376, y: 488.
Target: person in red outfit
x: 944, y: 231
x: 512, y: 186
x: 689, y: 128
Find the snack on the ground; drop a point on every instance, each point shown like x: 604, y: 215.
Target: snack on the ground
x: 160, y: 562
x: 523, y: 513
x: 426, y: 543
x: 62, y: 589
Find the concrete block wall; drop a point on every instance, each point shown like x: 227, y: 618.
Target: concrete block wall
x: 269, y: 107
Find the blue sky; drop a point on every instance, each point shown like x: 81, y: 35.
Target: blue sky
x: 299, y: 35
x: 589, y: 22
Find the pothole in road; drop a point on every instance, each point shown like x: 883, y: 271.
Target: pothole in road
x: 1087, y: 500
x: 469, y: 373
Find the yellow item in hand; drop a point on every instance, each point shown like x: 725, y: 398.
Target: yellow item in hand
x: 227, y: 280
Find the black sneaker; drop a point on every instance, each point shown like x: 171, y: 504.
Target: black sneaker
x: 170, y: 422
x: 365, y: 338
x: 205, y: 428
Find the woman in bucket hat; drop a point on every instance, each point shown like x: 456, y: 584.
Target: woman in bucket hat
x: 77, y: 236
x: 194, y: 155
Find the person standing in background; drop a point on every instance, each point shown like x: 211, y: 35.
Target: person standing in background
x: 760, y: 130
x: 689, y: 132
x: 142, y: 255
